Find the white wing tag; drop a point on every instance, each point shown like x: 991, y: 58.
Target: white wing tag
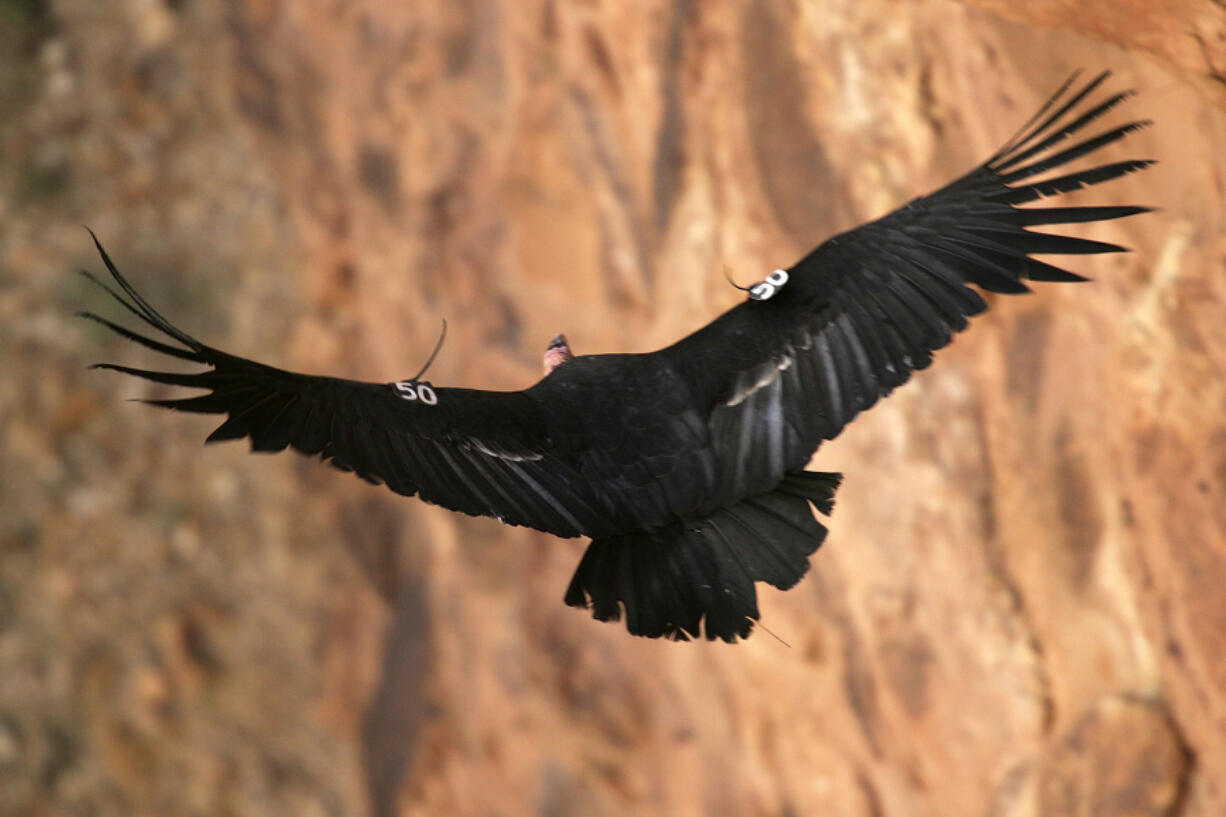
x: 765, y: 289
x: 416, y: 390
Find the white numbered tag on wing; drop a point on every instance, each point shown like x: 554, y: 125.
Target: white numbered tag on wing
x: 416, y: 391
x: 766, y: 289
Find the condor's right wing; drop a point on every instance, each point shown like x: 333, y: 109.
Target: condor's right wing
x: 479, y: 452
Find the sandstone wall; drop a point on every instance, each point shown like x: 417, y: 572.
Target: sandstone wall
x: 1020, y: 608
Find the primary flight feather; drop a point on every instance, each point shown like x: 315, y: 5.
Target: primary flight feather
x: 686, y: 466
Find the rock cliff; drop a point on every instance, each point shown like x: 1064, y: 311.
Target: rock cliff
x: 1019, y: 611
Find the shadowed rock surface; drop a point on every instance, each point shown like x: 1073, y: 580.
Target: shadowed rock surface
x: 1019, y: 610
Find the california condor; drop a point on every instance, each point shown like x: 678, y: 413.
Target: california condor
x: 686, y: 466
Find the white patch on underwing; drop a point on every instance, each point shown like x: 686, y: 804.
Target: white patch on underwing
x: 768, y: 374
x: 502, y: 453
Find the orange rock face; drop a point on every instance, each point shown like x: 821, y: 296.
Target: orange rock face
x: 1020, y: 608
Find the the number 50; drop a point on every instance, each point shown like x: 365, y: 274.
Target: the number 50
x: 410, y: 390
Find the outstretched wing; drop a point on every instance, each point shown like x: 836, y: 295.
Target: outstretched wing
x: 480, y: 452
x: 852, y: 319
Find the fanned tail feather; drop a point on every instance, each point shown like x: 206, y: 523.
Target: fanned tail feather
x: 696, y: 577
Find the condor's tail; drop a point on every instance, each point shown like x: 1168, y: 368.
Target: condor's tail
x: 696, y: 576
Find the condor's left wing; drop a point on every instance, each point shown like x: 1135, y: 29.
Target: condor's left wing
x: 825, y: 339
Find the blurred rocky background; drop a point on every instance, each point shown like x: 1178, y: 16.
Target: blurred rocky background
x: 1021, y: 609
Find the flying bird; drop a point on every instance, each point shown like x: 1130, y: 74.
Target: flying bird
x: 686, y: 466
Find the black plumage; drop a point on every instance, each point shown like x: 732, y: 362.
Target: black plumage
x: 686, y: 465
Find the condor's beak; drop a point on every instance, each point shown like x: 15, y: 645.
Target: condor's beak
x: 557, y: 353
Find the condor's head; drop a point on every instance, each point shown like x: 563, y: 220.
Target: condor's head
x: 557, y: 353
